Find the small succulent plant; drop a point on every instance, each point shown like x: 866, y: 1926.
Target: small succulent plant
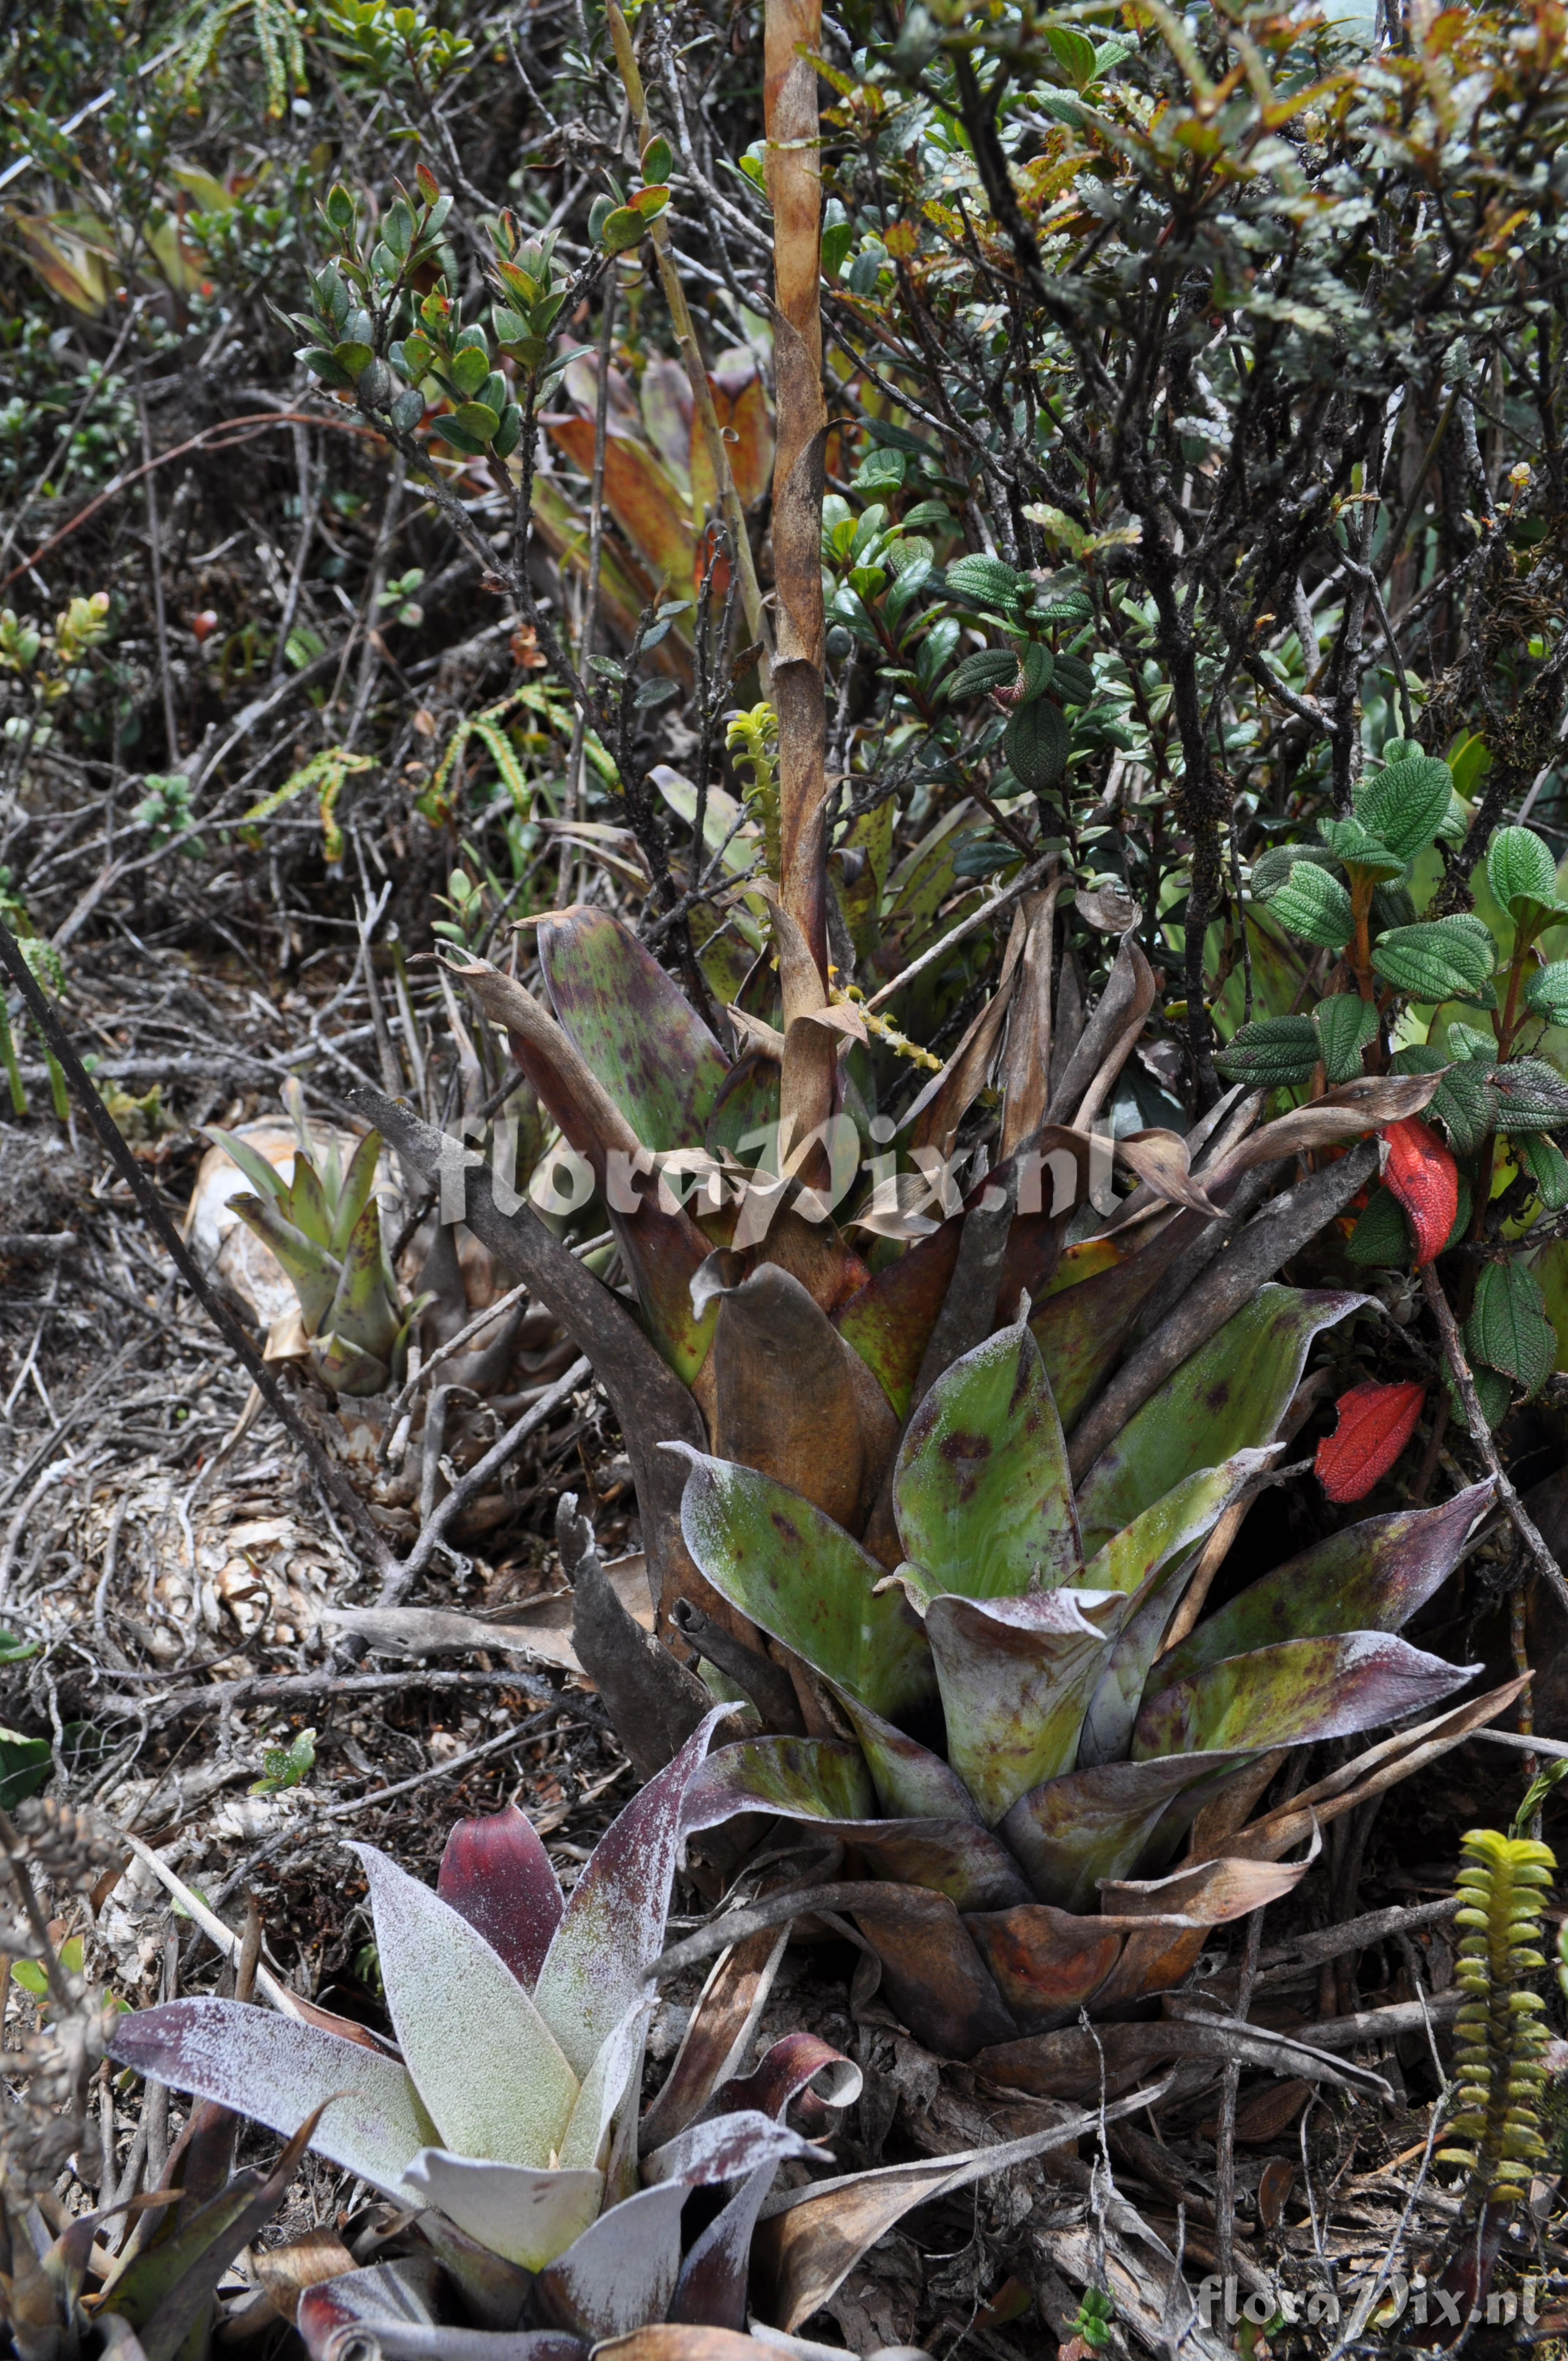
x: 324, y: 1227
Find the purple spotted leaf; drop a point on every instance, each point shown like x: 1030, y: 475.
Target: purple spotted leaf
x: 632, y: 1025
x: 982, y: 1493
x: 621, y: 2273
x: 1229, y: 1396
x: 1296, y: 1693
x: 524, y: 2213
x: 910, y: 1781
x: 487, y: 2065
x: 806, y: 1778
x: 727, y: 2147
x: 1046, y: 1962
x: 1178, y: 1518
x: 711, y: 2289
x: 398, y: 2309
x: 497, y: 1873
x: 278, y: 2071
x: 804, y: 1581
x: 973, y: 1868
x: 821, y: 1780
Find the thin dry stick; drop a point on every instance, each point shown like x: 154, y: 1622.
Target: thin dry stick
x: 159, y: 615
x: 577, y: 804
x: 691, y: 355
x: 1225, y: 2139
x: 403, y: 1574
x: 1481, y: 1433
x: 1024, y: 883
x: 222, y: 437
x: 427, y: 1369
x: 331, y: 1478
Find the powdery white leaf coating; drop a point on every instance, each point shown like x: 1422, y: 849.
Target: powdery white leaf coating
x: 613, y: 1927
x: 482, y: 2057
x: 620, y: 2274
x: 605, y: 2086
x: 278, y: 2071
x: 525, y: 2215
x: 727, y: 2147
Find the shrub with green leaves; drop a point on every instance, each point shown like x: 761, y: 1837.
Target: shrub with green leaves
x: 1398, y: 976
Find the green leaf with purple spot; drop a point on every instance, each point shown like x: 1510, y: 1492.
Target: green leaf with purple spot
x: 1299, y: 1691
x: 1017, y: 1676
x: 982, y: 1493
x: 805, y: 1582
x: 1370, y: 1577
x: 632, y: 1025
x: 1099, y: 1823
x: 1229, y: 1396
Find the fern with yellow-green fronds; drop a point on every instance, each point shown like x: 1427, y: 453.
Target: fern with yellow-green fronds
x: 753, y: 738
x: 1500, y: 2030
x: 325, y: 774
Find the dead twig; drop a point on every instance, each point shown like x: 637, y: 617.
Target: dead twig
x: 332, y: 1479
x: 1481, y: 1433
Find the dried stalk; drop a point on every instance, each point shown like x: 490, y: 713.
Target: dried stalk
x: 794, y: 191
x: 691, y: 355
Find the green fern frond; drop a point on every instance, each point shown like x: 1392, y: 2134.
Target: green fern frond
x: 753, y: 738
x: 1499, y: 2033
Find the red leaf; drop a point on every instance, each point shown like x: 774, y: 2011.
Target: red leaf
x: 1423, y: 1176
x: 1374, y: 1424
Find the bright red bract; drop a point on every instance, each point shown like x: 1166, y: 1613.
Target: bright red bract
x: 1424, y: 1176
x: 1374, y: 1424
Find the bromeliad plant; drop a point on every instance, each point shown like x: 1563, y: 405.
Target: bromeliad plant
x: 1026, y: 1725
x: 324, y: 1228
x: 508, y: 2113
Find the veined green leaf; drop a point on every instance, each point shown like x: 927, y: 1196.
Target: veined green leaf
x: 1521, y: 869
x: 1346, y: 1025
x: 1508, y: 1328
x: 1272, y: 1054
x: 1314, y: 905
x: 1406, y: 803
